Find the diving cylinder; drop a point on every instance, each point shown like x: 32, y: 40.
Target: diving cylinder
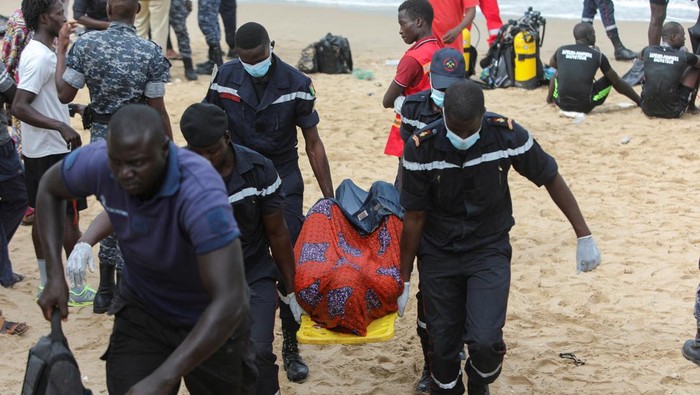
x: 525, y: 48
x: 466, y: 45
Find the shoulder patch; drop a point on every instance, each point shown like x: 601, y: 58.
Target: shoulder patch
x: 426, y: 134
x: 502, y: 122
x: 312, y: 90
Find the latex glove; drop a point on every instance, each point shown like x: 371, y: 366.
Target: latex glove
x: 587, y: 254
x: 403, y: 299
x: 75, y: 265
x: 297, y: 311
x: 398, y: 103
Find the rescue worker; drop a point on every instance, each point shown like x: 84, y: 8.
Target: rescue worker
x: 574, y: 87
x: 458, y: 216
x: 607, y: 14
x: 670, y: 74
x: 265, y: 100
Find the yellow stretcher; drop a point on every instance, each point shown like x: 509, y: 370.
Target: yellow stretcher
x: 381, y: 329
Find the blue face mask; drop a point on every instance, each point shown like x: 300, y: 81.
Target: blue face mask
x: 437, y: 97
x: 458, y: 142
x: 259, y: 69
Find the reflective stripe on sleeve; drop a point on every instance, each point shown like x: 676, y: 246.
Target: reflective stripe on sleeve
x: 450, y: 385
x: 502, y: 154
x: 246, y: 192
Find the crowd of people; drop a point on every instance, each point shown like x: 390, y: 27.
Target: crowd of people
x: 194, y: 284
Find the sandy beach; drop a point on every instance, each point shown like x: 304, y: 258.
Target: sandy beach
x: 627, y: 320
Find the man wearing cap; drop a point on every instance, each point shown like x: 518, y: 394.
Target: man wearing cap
x: 255, y: 193
x: 446, y: 67
x: 574, y: 87
x: 182, y: 308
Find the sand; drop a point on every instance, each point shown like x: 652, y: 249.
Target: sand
x: 627, y: 320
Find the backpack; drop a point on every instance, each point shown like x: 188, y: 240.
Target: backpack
x: 330, y: 55
x: 51, y: 367
x: 308, y: 62
x: 499, y: 64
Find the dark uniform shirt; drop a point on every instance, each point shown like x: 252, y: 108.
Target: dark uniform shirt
x: 118, y: 67
x: 465, y: 193
x: 576, y: 68
x: 663, y: 70
x: 416, y: 113
x: 255, y: 191
x: 95, y: 9
x: 267, y: 125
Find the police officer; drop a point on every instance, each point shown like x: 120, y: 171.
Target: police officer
x: 179, y: 10
x: 573, y: 88
x: 670, y: 74
x: 118, y: 68
x: 255, y: 192
x: 458, y: 215
x: 208, y: 18
x: 446, y: 67
x: 266, y: 100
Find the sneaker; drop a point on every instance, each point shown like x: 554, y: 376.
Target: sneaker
x: 81, y: 298
x: 623, y: 53
x: 691, y: 351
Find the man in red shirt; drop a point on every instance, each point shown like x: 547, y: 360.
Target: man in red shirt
x: 415, y: 20
x: 451, y: 17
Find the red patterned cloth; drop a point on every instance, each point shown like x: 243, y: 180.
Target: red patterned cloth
x: 346, y: 280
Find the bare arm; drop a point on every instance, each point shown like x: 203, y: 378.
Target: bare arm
x: 66, y: 93
x: 621, y: 86
x: 22, y: 109
x: 565, y: 200
x: 392, y: 92
x: 318, y: 160
x: 456, y: 31
x: 158, y: 104
x: 281, y: 246
x: 50, y: 217
x: 223, y: 276
x: 99, y: 229
x: 413, y: 222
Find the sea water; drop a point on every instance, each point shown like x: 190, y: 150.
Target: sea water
x: 625, y: 10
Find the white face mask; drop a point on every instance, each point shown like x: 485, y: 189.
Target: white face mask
x: 259, y: 69
x: 458, y: 142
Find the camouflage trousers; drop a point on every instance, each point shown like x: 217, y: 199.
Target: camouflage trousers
x: 208, y: 18
x: 178, y: 21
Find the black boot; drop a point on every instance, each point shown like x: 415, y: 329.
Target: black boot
x: 297, y: 371
x: 215, y: 59
x: 621, y: 52
x: 477, y: 389
x: 190, y: 74
x: 423, y: 386
x: 105, y: 292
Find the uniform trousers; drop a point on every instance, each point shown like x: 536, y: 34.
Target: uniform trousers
x: 607, y: 14
x: 154, y: 16
x: 263, y: 303
x: 13, y: 202
x: 465, y: 297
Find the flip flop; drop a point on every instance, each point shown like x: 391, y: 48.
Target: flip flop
x: 12, y: 328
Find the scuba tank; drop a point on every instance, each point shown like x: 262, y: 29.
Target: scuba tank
x: 525, y: 51
x: 466, y: 45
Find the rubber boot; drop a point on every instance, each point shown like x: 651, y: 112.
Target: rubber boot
x: 297, y: 371
x: 105, y: 292
x: 190, y: 74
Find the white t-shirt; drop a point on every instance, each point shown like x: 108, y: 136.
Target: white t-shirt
x: 36, y: 74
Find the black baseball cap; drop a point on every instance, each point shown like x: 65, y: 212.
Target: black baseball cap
x: 203, y: 124
x: 446, y: 68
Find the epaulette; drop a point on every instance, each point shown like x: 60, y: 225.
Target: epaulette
x: 499, y: 121
x: 426, y: 134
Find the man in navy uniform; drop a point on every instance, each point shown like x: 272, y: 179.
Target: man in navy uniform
x: 266, y: 100
x: 457, y: 220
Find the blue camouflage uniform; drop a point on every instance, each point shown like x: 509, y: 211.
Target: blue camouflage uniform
x: 208, y: 18
x: 178, y: 21
x: 118, y: 68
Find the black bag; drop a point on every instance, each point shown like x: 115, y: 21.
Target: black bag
x: 333, y: 55
x: 308, y: 63
x: 51, y: 367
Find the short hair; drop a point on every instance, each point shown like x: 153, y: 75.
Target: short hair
x: 251, y: 35
x: 32, y: 10
x: 417, y: 9
x: 464, y: 100
x: 582, y: 29
x: 670, y: 28
x: 123, y: 9
x: 137, y: 118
